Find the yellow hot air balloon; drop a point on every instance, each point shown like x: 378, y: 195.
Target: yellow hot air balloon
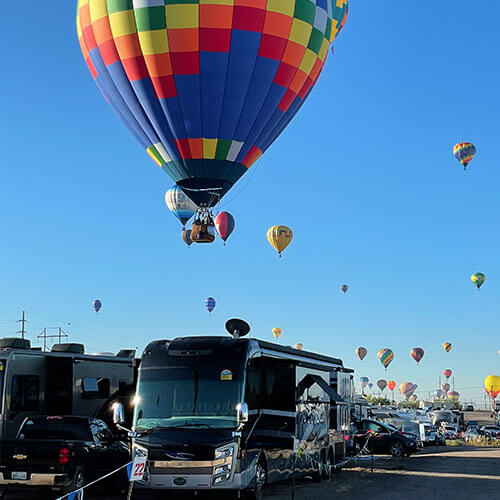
x: 279, y: 237
x: 299, y: 346
x: 277, y: 332
x: 492, y: 385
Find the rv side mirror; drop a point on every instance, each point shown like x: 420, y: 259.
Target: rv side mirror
x: 118, y: 413
x: 242, y: 412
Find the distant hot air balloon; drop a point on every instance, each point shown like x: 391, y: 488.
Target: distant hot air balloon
x: 180, y: 204
x: 417, y: 354
x: 413, y: 398
x: 385, y: 356
x: 447, y: 373
x: 97, y: 305
x: 453, y: 396
x: 391, y: 385
x: 438, y: 393
x: 186, y: 237
x: 447, y: 346
x: 224, y: 223
x: 299, y: 346
x: 478, y: 279
x: 279, y: 237
x: 407, y: 389
x: 464, y: 152
x: 206, y: 87
x: 381, y: 384
x: 363, y: 382
x: 210, y: 304
x: 361, y: 353
x: 344, y: 288
x: 370, y: 385
x: 445, y: 388
x: 276, y: 332
x: 492, y: 385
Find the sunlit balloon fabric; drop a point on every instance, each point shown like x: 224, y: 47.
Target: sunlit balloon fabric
x: 407, y: 389
x: 206, y: 86
x: 279, y: 237
x: 492, y: 385
x: 361, y: 352
x: 447, y: 346
x: 385, y: 356
x: 464, y: 152
x: 180, y: 204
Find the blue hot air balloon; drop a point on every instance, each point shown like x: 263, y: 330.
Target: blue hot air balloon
x: 210, y: 304
x: 97, y: 305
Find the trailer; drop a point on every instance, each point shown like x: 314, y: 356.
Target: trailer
x: 64, y: 381
x: 219, y: 413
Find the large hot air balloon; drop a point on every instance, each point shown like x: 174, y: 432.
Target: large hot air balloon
x: 478, y: 279
x: 447, y: 346
x: 344, y: 288
x: 453, y: 396
x: 464, y: 152
x: 279, y: 237
x: 417, y: 353
x: 381, y: 384
x: 445, y: 388
x: 391, y: 385
x: 492, y: 385
x: 210, y: 304
x: 407, y: 389
x: 206, y: 87
x: 276, y: 332
x: 224, y: 223
x: 361, y: 352
x: 186, y: 237
x: 385, y: 356
x: 97, y: 305
x: 447, y: 373
x: 180, y: 204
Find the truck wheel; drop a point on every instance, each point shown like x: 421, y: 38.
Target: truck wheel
x: 78, y: 481
x: 397, y: 449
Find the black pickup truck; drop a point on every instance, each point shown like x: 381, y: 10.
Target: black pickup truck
x: 61, y: 453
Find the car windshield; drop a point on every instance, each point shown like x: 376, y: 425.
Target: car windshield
x: 55, y: 428
x: 2, y: 375
x: 187, y: 397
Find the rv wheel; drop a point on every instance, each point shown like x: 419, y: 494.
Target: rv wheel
x: 260, y: 481
x: 318, y: 474
x: 327, y: 475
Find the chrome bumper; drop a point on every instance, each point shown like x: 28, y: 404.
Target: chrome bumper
x: 36, y: 480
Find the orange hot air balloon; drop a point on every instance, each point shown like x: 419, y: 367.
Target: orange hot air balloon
x: 447, y: 346
x: 276, y: 332
x: 391, y: 385
x: 361, y: 352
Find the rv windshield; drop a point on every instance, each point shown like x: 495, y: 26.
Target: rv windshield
x: 2, y: 376
x: 197, y: 396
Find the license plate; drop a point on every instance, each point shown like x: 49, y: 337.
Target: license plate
x: 20, y: 476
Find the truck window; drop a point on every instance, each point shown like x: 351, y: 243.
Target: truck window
x: 25, y: 393
x: 56, y: 428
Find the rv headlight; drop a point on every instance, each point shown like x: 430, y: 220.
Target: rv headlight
x: 224, y: 452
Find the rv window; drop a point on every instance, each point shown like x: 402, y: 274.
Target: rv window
x: 25, y: 393
x: 104, y: 387
x: 90, y: 385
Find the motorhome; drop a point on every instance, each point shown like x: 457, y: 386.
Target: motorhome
x: 236, y: 413
x: 64, y: 381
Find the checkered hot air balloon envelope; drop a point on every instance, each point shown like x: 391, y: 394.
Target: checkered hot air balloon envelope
x: 206, y: 86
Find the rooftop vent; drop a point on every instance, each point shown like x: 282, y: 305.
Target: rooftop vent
x: 72, y: 348
x: 14, y: 343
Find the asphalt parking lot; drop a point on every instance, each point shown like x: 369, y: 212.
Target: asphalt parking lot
x: 446, y: 473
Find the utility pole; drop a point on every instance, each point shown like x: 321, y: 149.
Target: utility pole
x: 59, y: 335
x: 22, y: 331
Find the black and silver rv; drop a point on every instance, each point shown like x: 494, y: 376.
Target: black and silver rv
x: 237, y: 413
x: 65, y: 381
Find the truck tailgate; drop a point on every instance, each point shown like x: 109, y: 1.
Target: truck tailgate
x: 31, y: 456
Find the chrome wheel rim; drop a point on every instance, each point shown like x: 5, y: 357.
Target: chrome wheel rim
x: 79, y: 481
x: 260, y: 477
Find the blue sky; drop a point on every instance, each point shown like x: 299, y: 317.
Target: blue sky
x: 364, y: 175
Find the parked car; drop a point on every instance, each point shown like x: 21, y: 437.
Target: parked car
x: 61, y: 452
x: 490, y: 431
x: 384, y: 439
x: 450, y: 432
x: 471, y: 434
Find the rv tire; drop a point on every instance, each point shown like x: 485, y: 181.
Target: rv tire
x: 318, y: 474
x: 327, y: 474
x: 256, y: 493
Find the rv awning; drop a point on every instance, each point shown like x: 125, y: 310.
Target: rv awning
x: 309, y: 380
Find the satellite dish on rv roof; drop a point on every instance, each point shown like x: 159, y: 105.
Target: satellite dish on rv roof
x: 237, y: 328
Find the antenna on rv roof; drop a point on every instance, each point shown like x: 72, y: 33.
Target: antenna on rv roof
x: 237, y: 328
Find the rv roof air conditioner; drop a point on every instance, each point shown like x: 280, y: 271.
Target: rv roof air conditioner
x: 72, y: 348
x: 14, y: 343
x: 237, y: 328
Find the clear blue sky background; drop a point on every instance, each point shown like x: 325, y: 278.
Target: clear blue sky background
x: 364, y: 175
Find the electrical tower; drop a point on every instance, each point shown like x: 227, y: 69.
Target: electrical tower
x: 45, y: 335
